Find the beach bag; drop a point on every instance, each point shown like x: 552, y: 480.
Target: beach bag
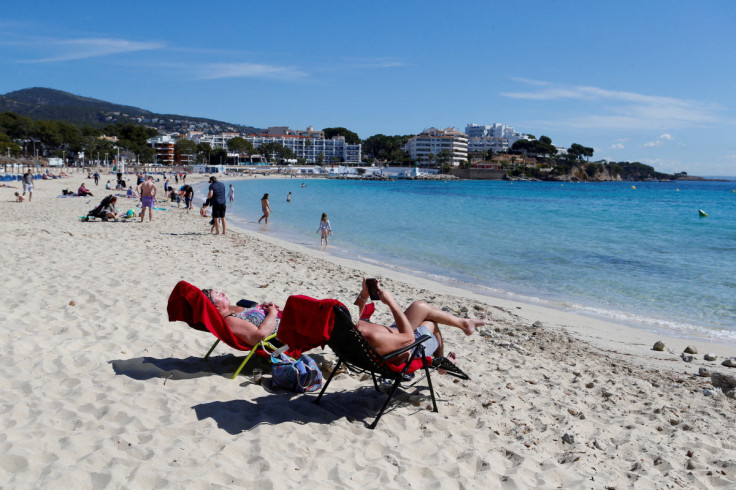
x: 301, y: 375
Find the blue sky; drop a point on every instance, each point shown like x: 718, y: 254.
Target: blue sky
x: 637, y: 81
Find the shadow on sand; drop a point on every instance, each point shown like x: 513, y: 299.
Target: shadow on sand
x: 143, y: 368
x: 274, y: 407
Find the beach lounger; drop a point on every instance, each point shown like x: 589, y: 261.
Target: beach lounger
x: 336, y: 328
x: 188, y: 303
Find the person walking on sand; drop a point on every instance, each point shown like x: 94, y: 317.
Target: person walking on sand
x: 266, y: 208
x: 218, y: 202
x: 97, y: 178
x: 148, y: 198
x: 28, y: 185
x: 325, y: 229
x: 231, y: 194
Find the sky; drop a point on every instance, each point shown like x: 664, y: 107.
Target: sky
x: 637, y: 81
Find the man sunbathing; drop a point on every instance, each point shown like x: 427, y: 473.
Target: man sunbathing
x: 419, y: 319
x: 248, y: 324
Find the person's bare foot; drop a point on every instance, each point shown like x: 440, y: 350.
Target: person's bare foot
x: 452, y: 357
x: 470, y: 324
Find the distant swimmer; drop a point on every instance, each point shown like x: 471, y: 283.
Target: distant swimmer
x: 288, y: 197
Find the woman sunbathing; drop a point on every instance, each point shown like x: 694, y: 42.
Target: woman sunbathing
x: 419, y: 319
x: 248, y: 324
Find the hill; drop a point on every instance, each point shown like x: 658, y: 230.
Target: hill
x: 55, y: 105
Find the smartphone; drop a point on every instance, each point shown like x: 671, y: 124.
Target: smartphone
x: 372, y: 288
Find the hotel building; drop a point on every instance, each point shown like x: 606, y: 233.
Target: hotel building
x: 496, y: 137
x: 432, y: 141
x: 307, y: 144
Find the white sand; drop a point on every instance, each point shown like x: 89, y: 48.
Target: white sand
x: 99, y: 390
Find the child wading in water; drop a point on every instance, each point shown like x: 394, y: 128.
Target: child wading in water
x: 325, y: 228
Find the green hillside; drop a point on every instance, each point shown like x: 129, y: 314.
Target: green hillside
x: 55, y: 105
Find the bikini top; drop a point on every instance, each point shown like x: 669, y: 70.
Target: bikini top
x: 255, y: 315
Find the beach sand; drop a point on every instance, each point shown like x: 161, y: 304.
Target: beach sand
x: 99, y: 390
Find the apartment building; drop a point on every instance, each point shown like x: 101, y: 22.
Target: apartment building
x: 164, y: 148
x: 334, y: 150
x: 427, y: 145
x: 496, y: 137
x: 307, y: 144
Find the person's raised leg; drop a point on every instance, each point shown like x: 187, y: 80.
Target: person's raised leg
x: 420, y: 311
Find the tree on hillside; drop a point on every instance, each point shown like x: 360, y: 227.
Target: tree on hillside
x: 444, y: 157
x: 218, y: 156
x: 184, y: 147
x: 386, y: 148
x: 203, y: 152
x: 133, y: 138
x: 240, y: 145
x: 542, y: 147
x: 275, y: 152
x: 577, y: 152
x: 350, y: 137
x: 15, y: 126
x: 9, y: 146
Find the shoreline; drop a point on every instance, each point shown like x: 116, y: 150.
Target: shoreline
x: 100, y: 390
x: 650, y: 329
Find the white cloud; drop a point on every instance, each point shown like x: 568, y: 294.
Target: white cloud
x: 77, y: 49
x: 617, y: 146
x: 666, y: 166
x: 362, y: 63
x: 621, y: 110
x: 658, y: 142
x: 529, y: 81
x: 249, y: 70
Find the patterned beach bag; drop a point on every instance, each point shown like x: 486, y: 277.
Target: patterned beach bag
x: 301, y: 375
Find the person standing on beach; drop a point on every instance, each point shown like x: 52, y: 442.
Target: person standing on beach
x: 325, y: 229
x: 97, y: 178
x: 265, y: 207
x: 28, y: 185
x: 218, y: 201
x: 188, y: 197
x: 231, y: 194
x: 148, y: 198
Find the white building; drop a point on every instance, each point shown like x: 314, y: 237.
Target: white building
x: 496, y: 137
x: 432, y: 141
x: 307, y: 144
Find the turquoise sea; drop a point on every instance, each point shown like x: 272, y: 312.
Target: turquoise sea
x: 640, y: 256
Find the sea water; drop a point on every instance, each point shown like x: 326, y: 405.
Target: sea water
x: 637, y: 253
